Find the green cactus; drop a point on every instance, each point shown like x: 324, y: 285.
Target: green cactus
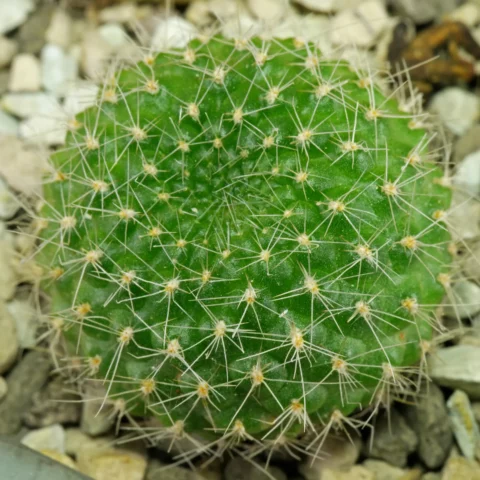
x: 245, y: 240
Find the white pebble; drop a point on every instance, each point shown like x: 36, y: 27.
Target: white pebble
x: 360, y: 26
x: 25, y: 105
x: 457, y: 108
x: 48, y: 438
x: 59, y: 69
x: 80, y: 97
x: 8, y: 124
x: 114, y: 34
x: 268, y: 10
x: 173, y: 32
x: 9, y: 204
x: 59, y: 32
x: 14, y: 13
x: 8, y: 49
x: 110, y: 463
x: 25, y: 74
x: 467, y: 175
x: 26, y: 320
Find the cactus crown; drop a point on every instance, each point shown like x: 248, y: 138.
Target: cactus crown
x: 244, y: 238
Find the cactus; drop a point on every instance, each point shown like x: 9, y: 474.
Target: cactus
x: 246, y: 240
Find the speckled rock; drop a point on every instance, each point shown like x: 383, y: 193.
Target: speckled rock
x: 31, y: 36
x: 53, y: 404
x: 26, y: 378
x: 338, y: 453
x: 428, y: 418
x: 457, y: 367
x: 239, y: 469
x: 393, y: 440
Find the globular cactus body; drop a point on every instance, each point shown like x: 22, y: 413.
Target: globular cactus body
x: 245, y: 236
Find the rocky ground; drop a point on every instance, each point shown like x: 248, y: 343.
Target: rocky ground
x: 51, y: 53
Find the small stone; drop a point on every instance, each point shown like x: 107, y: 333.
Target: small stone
x: 467, y: 13
x: 24, y: 105
x: 467, y: 174
x: 393, y: 440
x: 457, y: 367
x: 432, y: 476
x: 59, y: 457
x: 9, y: 204
x: 199, y: 13
x: 428, y: 418
x: 8, y: 278
x: 173, y: 32
x: 48, y: 438
x: 95, y: 419
x: 59, y: 32
x: 31, y: 36
x: 460, y: 468
x: 268, y: 10
x: 76, y: 441
x: 53, y: 404
x: 4, y: 79
x: 356, y: 472
x: 464, y: 425
x: 25, y: 74
x: 338, y: 453
x: 8, y: 49
x: 26, y: 320
x: 466, y: 144
x: 23, y: 169
x: 239, y: 469
x: 322, y: 6
x: 59, y: 69
x: 48, y: 128
x: 3, y: 388
x: 108, y: 464
x: 462, y: 211
x: 159, y: 471
x: 100, y: 46
x: 123, y: 13
x: 465, y: 296
x: 360, y: 26
x: 13, y: 14
x: 384, y: 471
x: 423, y: 11
x: 114, y: 34
x: 8, y: 124
x: 457, y: 108
x: 8, y: 339
x: 476, y: 411
x: 26, y: 378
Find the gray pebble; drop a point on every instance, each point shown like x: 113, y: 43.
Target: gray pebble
x: 428, y: 418
x: 239, y: 469
x: 393, y: 440
x: 27, y: 378
x: 54, y: 403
